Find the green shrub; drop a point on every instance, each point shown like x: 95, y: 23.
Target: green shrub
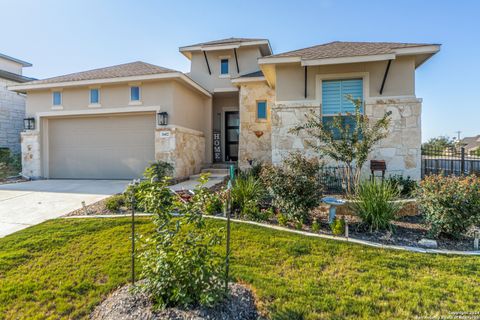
x: 374, y: 204
x: 10, y: 163
x: 338, y: 226
x: 451, y: 205
x: 406, y: 186
x: 282, y: 219
x: 115, y: 202
x: 294, y: 186
x: 316, y: 226
x: 246, y: 193
x: 179, y: 262
x: 158, y: 170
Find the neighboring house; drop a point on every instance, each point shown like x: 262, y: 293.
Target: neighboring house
x: 237, y: 104
x: 471, y: 144
x: 12, y: 104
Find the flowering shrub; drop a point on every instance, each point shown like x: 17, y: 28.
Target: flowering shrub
x: 451, y: 205
x: 294, y: 186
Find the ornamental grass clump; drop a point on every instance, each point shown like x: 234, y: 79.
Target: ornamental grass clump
x: 247, y: 193
x: 451, y: 205
x: 375, y: 204
x: 179, y: 263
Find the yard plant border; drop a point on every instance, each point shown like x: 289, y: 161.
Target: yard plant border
x: 308, y: 234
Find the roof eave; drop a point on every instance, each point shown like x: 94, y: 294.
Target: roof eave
x: 248, y: 79
x: 162, y: 76
x: 187, y: 50
x: 23, y: 63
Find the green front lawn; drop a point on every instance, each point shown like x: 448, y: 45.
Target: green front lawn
x: 63, y: 268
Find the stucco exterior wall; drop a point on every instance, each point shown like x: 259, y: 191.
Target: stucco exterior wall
x: 183, y: 148
x: 247, y: 63
x: 401, y: 149
x: 155, y: 93
x: 10, y: 66
x: 255, y: 141
x: 290, y: 78
x: 12, y: 113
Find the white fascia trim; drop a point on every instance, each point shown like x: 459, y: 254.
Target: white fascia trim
x: 232, y: 89
x: 170, y: 75
x: 417, y: 50
x: 96, y: 111
x: 342, y: 60
x: 223, y: 46
x: 267, y: 60
x: 250, y: 79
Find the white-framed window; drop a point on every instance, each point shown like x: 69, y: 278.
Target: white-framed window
x: 135, y: 93
x: 224, y: 66
x: 94, y: 96
x: 57, y: 98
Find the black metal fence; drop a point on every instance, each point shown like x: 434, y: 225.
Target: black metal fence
x: 331, y: 178
x: 449, y: 161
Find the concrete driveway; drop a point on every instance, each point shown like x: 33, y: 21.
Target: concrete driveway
x: 29, y: 203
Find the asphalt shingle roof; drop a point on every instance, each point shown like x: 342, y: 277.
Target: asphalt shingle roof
x: 252, y: 74
x: 137, y: 68
x: 14, y: 77
x: 339, y: 49
x: 226, y: 41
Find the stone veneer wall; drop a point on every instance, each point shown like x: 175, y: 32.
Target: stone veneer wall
x: 31, y: 162
x: 12, y: 112
x: 401, y: 149
x: 255, y: 141
x: 183, y: 148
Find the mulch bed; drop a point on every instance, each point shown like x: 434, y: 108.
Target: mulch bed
x: 128, y: 304
x: 407, y: 230
x: 15, y: 179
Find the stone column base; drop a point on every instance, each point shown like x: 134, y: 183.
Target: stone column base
x: 31, y: 161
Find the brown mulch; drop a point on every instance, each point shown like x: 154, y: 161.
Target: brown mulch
x: 15, y: 179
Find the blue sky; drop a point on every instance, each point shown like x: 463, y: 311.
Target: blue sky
x: 60, y: 37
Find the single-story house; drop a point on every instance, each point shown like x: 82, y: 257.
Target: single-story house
x: 471, y: 144
x: 12, y: 104
x: 236, y: 104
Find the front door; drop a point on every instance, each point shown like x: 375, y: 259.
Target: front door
x: 232, y: 132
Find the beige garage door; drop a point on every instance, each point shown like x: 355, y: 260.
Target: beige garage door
x: 101, y: 147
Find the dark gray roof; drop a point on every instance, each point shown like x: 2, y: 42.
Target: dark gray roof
x: 338, y: 49
x: 137, y: 68
x: 252, y: 74
x: 14, y: 77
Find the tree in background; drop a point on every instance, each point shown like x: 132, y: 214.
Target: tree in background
x: 438, y: 145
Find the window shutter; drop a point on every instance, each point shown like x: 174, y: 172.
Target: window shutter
x: 334, y: 94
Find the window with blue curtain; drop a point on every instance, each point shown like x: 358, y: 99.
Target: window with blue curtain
x: 94, y: 96
x: 261, y: 110
x: 334, y: 101
x: 224, y: 66
x: 135, y: 93
x: 57, y: 98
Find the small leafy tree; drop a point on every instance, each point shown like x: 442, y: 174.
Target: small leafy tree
x: 179, y: 262
x: 294, y: 186
x: 345, y: 143
x: 438, y: 145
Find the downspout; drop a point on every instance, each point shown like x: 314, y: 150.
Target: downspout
x: 385, y: 76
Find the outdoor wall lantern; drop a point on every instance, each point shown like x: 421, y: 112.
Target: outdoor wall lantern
x: 162, y: 118
x: 29, y: 123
